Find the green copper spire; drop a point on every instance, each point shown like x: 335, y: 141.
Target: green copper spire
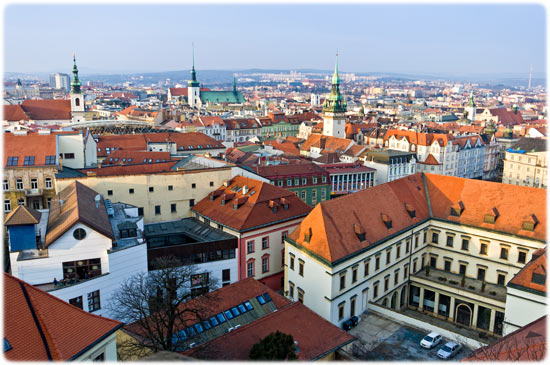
x: 335, y: 102
x: 234, y: 84
x: 75, y: 84
x: 471, y: 102
x: 193, y: 82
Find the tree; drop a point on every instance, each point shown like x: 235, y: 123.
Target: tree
x: 275, y: 346
x: 156, y: 305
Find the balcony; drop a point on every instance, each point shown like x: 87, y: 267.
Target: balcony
x: 32, y: 254
x: 33, y: 192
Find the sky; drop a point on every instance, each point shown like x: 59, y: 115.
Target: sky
x: 402, y: 38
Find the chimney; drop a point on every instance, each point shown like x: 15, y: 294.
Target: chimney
x: 97, y: 200
x: 245, y: 189
x: 226, y: 183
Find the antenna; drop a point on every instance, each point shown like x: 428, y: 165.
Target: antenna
x: 530, y: 77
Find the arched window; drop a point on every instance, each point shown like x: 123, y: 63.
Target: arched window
x: 77, y: 101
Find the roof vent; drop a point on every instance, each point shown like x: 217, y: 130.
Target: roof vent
x: 245, y: 189
x: 284, y: 203
x: 226, y: 197
x: 226, y: 183
x: 529, y: 223
x: 359, y: 232
x: 387, y: 220
x: 308, y: 234
x: 457, y: 209
x: 274, y: 206
x: 410, y: 209
x: 97, y: 200
x: 491, y: 216
x: 238, y: 202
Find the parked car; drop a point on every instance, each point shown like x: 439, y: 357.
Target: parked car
x: 449, y: 350
x: 352, y: 322
x: 431, y: 340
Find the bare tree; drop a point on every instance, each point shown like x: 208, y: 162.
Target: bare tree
x: 156, y: 305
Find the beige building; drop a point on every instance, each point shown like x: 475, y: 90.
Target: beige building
x: 525, y: 163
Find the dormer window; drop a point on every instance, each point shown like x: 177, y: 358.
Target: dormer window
x: 387, y: 220
x: 491, y: 216
x: 457, y: 209
x: 529, y: 223
x: 538, y: 279
x: 359, y: 232
x: 307, y: 235
x: 410, y: 209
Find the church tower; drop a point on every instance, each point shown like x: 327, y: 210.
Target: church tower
x: 193, y: 87
x: 471, y: 108
x: 77, y: 98
x: 334, y: 109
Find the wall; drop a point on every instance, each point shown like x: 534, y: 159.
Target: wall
x: 71, y: 143
x: 522, y: 308
x: 108, y: 346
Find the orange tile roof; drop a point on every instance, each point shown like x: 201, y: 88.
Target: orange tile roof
x: 22, y: 215
x: 419, y: 138
x: 129, y: 157
x: 430, y: 160
x: 209, y: 121
x: 14, y: 113
x: 68, y: 330
x: 527, y: 343
x: 331, y: 223
x: 328, y: 143
x: 31, y: 144
x: 241, y: 123
x: 138, y: 169
x: 78, y: 206
x: 134, y: 142
x: 256, y: 211
x: 524, y: 278
x: 286, y: 147
x: 294, y: 319
x: 47, y: 109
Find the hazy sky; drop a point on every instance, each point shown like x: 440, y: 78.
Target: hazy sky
x: 427, y: 38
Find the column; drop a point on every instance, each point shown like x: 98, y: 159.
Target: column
x: 436, y: 303
x: 492, y: 321
x: 474, y: 316
x: 452, y: 309
x: 421, y: 300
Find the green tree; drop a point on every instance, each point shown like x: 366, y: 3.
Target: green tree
x: 275, y: 346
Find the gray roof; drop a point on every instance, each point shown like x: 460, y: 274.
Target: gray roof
x: 388, y: 156
x: 191, y: 227
x: 530, y: 145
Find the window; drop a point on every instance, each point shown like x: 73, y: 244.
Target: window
x: 465, y: 243
x: 447, y: 266
x: 173, y: 208
x: 324, y: 179
x: 280, y: 182
x: 375, y: 291
x: 191, y: 202
x: 352, y: 306
x: 48, y: 202
x: 170, y: 187
x: 19, y: 184
x: 480, y: 274
x: 314, y: 195
x: 377, y: 263
x: 386, y: 283
x: 6, y: 185
x: 504, y: 253
x: 303, y: 195
x: 34, y: 184
x: 140, y: 211
x: 291, y: 264
x: 304, y: 181
x: 77, y: 302
x: 250, y: 247
x: 522, y: 256
x: 388, y: 257
x: 396, y: 277
x: 250, y: 269
x: 291, y: 290
x: 265, y: 264
x: 367, y: 268
x: 501, y: 279
x: 398, y: 251
x: 342, y: 281
x: 435, y: 237
x: 7, y: 205
x: 354, y: 275
x: 314, y: 180
x: 416, y: 242
x: 323, y: 194
x: 462, y: 269
x: 28, y: 161
x: 341, y: 310
x: 483, y: 248
x: 68, y: 156
x: 157, y: 209
x: 300, y: 295
x: 405, y: 273
x: 50, y: 160
x: 414, y: 265
x: 109, y: 192
x: 79, y: 234
x: 300, y: 267
x: 151, y: 189
x: 407, y: 244
x: 265, y: 242
x: 450, y: 241
x: 193, y: 186
x: 288, y: 182
x: 226, y: 275
x: 433, y: 261
x: 131, y: 191
x: 48, y: 182
x: 211, y: 183
x: 13, y: 161
x: 93, y: 301
x: 297, y: 181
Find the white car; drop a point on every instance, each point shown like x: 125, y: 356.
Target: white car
x: 431, y: 340
x: 449, y: 350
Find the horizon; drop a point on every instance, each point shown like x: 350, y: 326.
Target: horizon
x: 370, y: 38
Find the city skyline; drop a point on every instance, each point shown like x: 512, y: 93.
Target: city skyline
x: 462, y: 39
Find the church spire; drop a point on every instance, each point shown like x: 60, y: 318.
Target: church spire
x: 75, y: 84
x: 193, y: 82
x: 234, y: 84
x: 471, y: 102
x: 335, y: 102
x: 335, y: 76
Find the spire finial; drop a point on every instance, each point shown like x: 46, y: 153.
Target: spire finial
x: 193, y: 53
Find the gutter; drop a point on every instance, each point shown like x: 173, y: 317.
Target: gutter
x: 333, y: 349
x: 90, y: 346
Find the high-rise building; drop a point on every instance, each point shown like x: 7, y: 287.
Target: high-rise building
x: 60, y: 81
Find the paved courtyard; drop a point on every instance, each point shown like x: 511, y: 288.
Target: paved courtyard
x: 381, y: 339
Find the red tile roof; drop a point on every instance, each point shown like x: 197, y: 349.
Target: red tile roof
x: 537, y: 266
x: 294, y: 319
x: 506, y: 117
x: 14, y: 113
x: 328, y: 143
x: 286, y: 147
x: 129, y: 157
x: 134, y: 142
x: 209, y: 121
x: 301, y: 167
x: 182, y: 91
x: 419, y: 138
x: 241, y: 123
x: 78, y: 206
x: 256, y: 211
x: 331, y: 223
x: 527, y: 343
x: 47, y: 109
x: 31, y: 144
x: 139, y: 169
x: 185, y: 141
x: 67, y: 329
x: 430, y: 160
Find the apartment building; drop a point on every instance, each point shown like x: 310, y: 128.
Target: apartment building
x: 444, y: 246
x: 525, y: 163
x: 389, y: 164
